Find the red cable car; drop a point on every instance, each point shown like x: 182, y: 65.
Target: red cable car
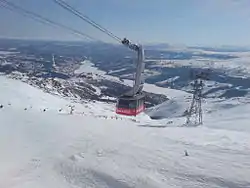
x: 131, y: 106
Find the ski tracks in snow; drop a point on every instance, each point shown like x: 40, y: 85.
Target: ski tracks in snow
x: 129, y: 162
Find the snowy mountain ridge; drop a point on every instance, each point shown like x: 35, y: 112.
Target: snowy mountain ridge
x: 86, y: 84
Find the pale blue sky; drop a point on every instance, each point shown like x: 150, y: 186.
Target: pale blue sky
x: 190, y: 22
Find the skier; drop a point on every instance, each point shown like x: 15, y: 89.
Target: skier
x: 71, y: 109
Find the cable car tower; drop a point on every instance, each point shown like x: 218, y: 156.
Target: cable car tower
x: 194, y: 113
x: 133, y: 102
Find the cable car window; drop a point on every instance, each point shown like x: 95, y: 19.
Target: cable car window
x: 139, y: 102
x: 132, y: 104
x: 123, y: 104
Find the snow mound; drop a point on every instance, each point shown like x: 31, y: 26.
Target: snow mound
x: 169, y: 109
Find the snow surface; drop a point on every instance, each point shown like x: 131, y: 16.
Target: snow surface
x: 235, y: 67
x: 169, y: 109
x: 89, y: 67
x: 170, y: 93
x: 7, y: 52
x: 94, y: 149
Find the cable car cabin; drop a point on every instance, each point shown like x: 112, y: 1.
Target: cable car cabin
x: 131, y: 106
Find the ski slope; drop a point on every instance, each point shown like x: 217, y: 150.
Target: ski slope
x: 54, y: 149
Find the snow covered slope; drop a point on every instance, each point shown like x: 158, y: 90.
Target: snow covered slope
x: 54, y: 149
x: 173, y: 108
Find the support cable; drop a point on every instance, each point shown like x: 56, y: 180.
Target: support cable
x: 17, y: 9
x: 85, y: 18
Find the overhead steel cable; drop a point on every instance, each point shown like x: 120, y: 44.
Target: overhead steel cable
x: 68, y: 7
x: 85, y: 18
x: 15, y: 8
x: 22, y: 13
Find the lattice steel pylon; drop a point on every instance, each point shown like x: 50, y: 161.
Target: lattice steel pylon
x: 194, y: 113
